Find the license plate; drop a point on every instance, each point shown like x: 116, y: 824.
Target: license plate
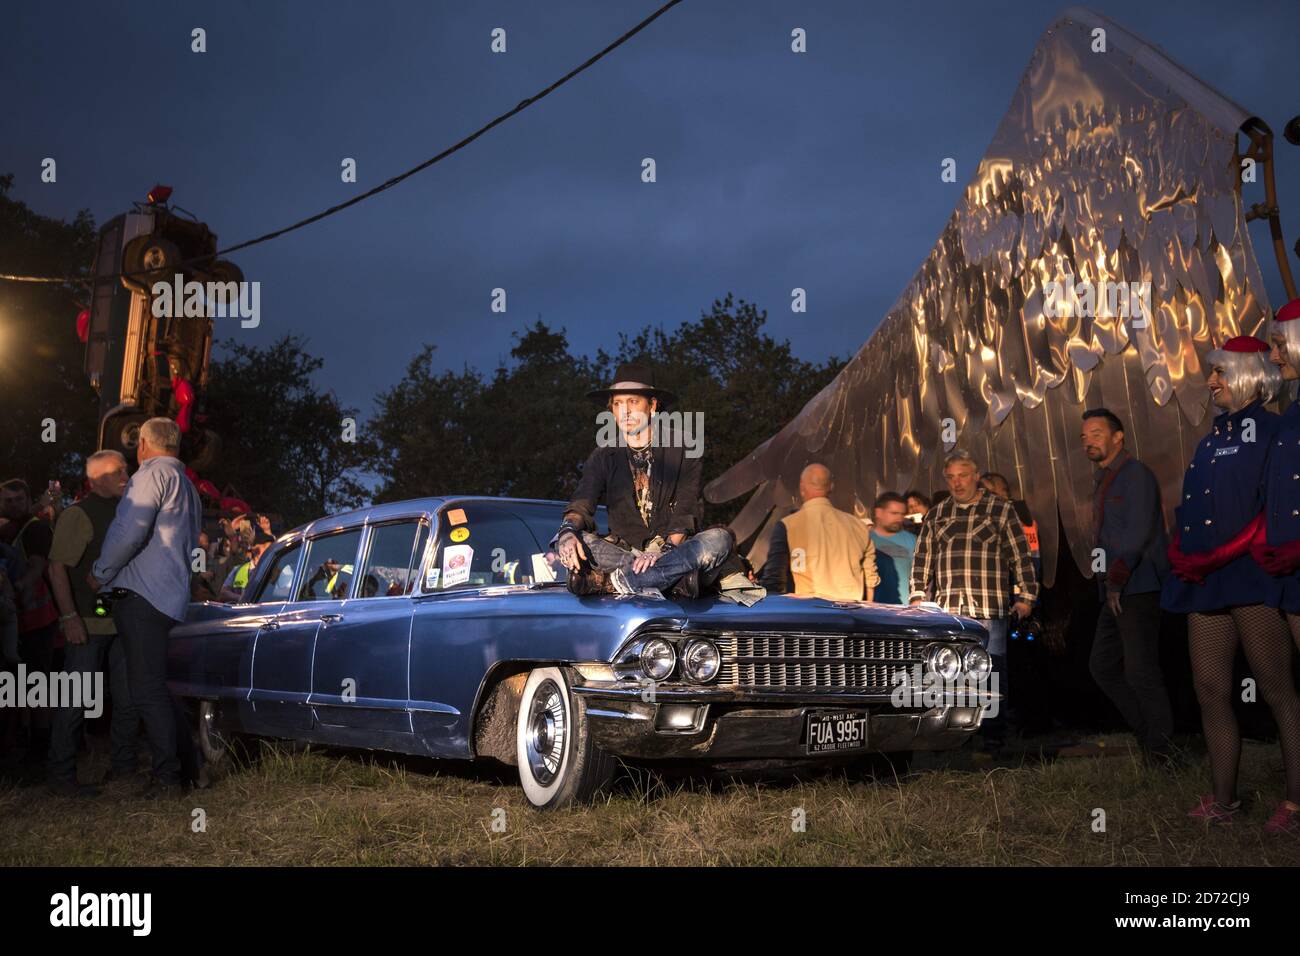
x: 835, y: 733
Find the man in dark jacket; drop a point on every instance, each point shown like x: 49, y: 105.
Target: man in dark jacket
x: 30, y: 534
x: 92, y: 642
x: 1131, y: 541
x: 648, y: 477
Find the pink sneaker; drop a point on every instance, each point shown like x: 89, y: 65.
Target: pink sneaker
x: 1216, y: 814
x: 1285, y: 819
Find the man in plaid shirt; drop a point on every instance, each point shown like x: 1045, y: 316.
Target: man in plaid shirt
x: 971, y: 550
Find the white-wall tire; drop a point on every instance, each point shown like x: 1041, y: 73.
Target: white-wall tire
x: 559, y: 763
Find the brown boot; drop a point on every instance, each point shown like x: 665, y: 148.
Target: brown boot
x: 589, y: 580
x: 687, y: 587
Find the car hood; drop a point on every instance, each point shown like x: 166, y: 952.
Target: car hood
x: 780, y: 613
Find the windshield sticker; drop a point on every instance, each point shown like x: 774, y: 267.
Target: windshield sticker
x: 459, y: 534
x: 431, y: 578
x: 542, y: 572
x: 455, y: 564
x: 456, y: 516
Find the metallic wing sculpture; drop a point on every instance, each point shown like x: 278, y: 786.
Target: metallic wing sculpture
x: 1115, y: 166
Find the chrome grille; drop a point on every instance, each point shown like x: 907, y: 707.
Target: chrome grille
x: 820, y: 661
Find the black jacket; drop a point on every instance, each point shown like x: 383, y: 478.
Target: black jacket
x: 674, y: 488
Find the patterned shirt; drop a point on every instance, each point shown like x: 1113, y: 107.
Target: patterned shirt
x: 641, y: 460
x: 968, y: 556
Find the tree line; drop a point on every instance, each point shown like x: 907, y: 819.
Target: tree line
x: 522, y: 429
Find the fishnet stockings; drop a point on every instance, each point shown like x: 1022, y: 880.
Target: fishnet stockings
x: 1293, y: 621
x: 1265, y: 638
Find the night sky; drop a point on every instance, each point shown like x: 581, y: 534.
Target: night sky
x: 775, y: 170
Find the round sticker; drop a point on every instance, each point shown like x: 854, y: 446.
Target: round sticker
x: 459, y: 534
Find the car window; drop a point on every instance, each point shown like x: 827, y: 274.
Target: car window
x: 481, y: 546
x: 330, y: 568
x: 278, y: 583
x: 393, y: 551
x: 543, y: 523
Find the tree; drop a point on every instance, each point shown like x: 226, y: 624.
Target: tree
x: 285, y: 443
x: 745, y: 384
x: 41, y: 376
x: 426, y: 442
x: 448, y: 432
x: 527, y: 431
x: 545, y: 424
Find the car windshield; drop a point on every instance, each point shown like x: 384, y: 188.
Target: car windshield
x: 482, y: 546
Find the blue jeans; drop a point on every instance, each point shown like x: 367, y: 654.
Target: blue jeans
x: 703, y: 552
x: 66, y: 725
x: 996, y: 645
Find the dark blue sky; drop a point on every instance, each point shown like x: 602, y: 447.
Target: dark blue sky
x: 775, y: 170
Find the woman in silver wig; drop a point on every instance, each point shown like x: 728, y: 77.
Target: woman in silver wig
x: 1227, y: 596
x: 1277, y: 551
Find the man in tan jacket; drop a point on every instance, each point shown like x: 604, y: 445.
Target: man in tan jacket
x: 820, y: 551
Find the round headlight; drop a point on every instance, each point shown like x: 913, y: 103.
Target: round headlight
x: 658, y: 659
x: 944, y: 661
x: 976, y: 662
x: 701, y: 661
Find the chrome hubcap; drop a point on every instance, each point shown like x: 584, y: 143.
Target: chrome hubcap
x: 547, y: 726
x: 212, y: 744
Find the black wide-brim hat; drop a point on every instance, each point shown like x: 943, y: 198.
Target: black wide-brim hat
x: 637, y: 379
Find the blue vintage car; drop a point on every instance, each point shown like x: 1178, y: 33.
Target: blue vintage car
x: 442, y: 627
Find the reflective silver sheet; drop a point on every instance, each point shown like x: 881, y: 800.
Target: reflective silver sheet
x: 1107, y: 166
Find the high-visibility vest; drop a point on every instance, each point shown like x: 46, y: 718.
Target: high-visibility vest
x: 1031, y: 536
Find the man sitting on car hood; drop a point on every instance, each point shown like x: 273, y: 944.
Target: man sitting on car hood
x: 650, y: 484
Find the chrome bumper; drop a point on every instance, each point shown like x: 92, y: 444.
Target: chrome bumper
x: 737, y: 724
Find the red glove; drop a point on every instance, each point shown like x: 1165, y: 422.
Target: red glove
x: 1182, y: 564
x: 1196, y: 567
x: 1277, y: 560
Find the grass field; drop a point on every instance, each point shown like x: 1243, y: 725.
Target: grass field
x: 327, y: 807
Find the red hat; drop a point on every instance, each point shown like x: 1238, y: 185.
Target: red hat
x: 1289, y: 311
x: 232, y: 507
x: 1244, y: 343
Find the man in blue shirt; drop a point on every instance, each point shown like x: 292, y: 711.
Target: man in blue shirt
x: 146, y: 554
x: 1129, y: 531
x: 894, y: 548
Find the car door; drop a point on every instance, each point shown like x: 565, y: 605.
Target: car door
x: 272, y: 592
x: 286, y: 644
x: 482, y: 554
x: 360, y: 676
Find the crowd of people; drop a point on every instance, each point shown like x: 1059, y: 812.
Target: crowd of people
x: 970, y: 549
x: 95, y: 587
x: 1231, y: 565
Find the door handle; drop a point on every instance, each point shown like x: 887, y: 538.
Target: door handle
x: 271, y: 625
x: 331, y: 618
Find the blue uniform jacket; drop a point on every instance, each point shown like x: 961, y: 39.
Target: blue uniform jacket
x: 1132, y: 533
x: 1223, y: 491
x: 1282, y: 494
